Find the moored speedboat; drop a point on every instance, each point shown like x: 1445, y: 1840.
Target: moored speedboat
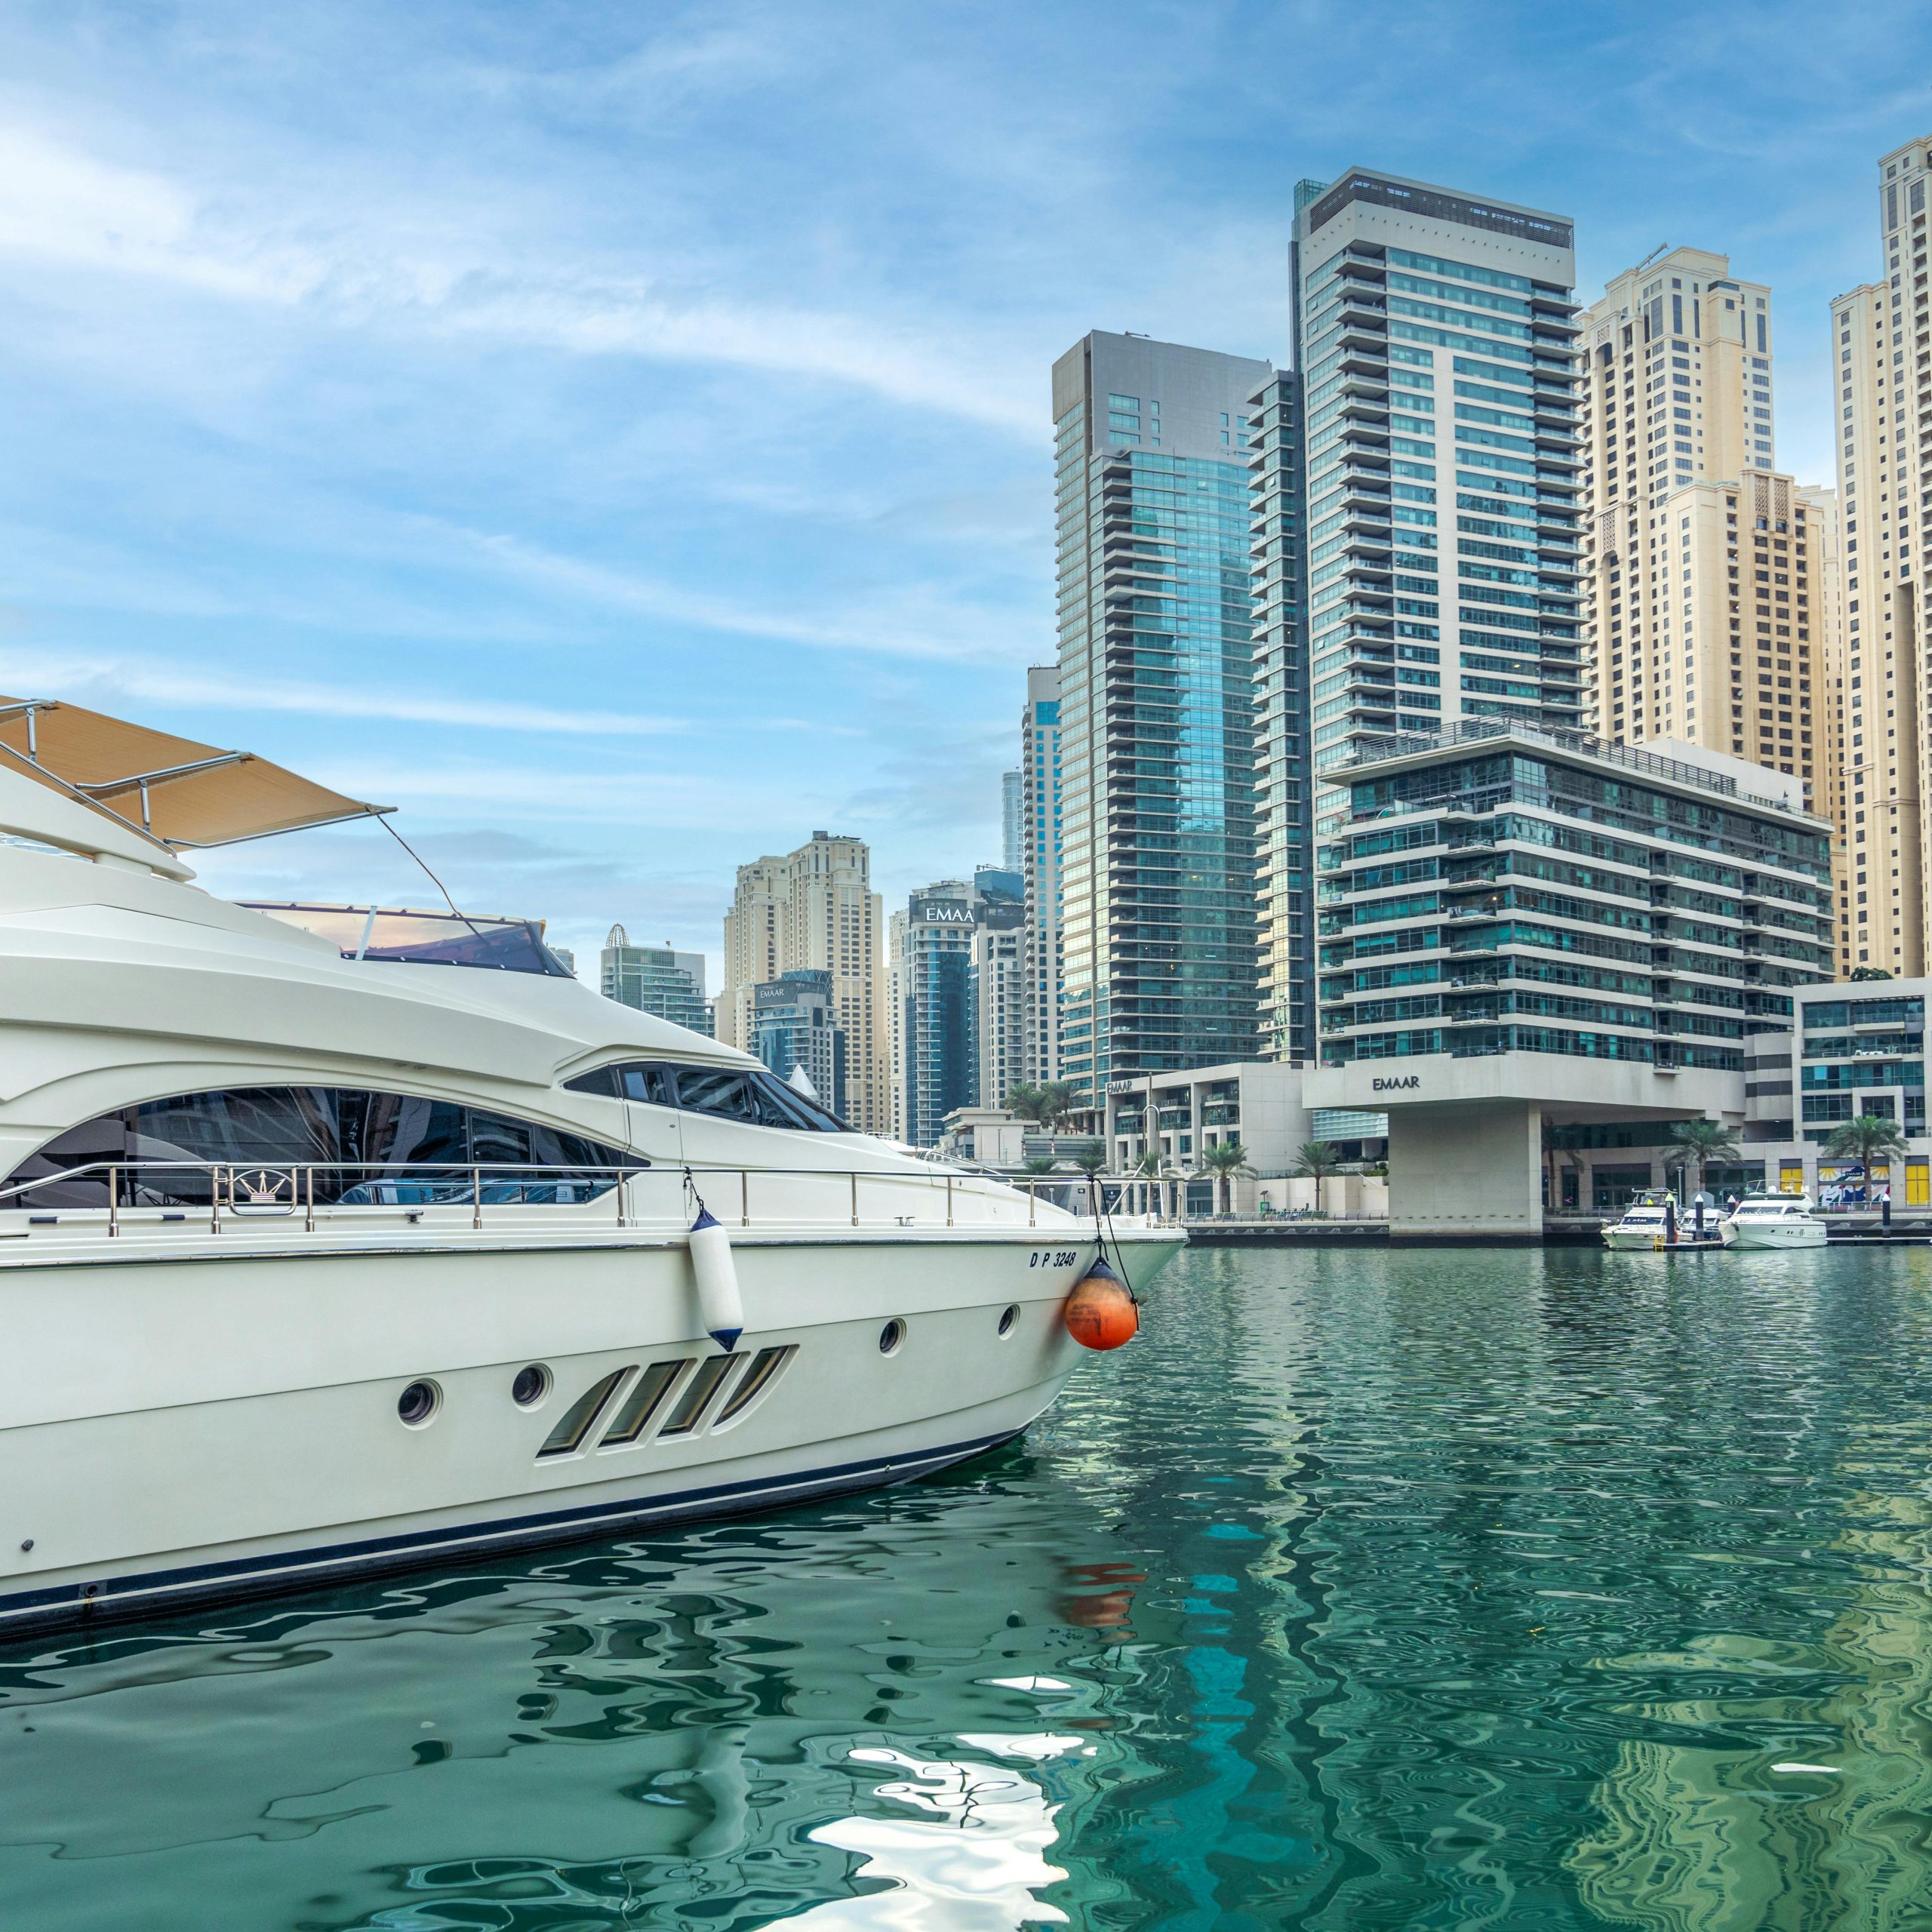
x: 1773, y: 1221
x: 313, y: 1259
x: 1646, y: 1223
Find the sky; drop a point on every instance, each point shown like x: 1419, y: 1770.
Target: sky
x: 617, y: 435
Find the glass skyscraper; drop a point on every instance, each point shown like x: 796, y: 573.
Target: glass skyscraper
x: 1159, y: 962
x: 1435, y: 339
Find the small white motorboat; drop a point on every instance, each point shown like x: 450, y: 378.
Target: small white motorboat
x: 1646, y: 1222
x: 1773, y: 1221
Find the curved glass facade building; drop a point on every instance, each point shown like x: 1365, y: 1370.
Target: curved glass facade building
x: 1159, y: 959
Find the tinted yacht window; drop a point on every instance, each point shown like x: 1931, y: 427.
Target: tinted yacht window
x: 367, y: 1147
x: 752, y: 1095
x: 651, y: 1084
x: 721, y: 1091
x: 628, y: 1080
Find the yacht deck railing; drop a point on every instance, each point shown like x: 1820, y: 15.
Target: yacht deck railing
x: 135, y: 1191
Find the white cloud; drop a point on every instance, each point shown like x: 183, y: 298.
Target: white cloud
x: 111, y: 682
x: 352, y: 269
x: 912, y: 623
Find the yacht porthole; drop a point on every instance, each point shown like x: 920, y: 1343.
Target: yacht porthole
x: 531, y: 1386
x: 1010, y: 1318
x: 418, y: 1403
x: 890, y: 1337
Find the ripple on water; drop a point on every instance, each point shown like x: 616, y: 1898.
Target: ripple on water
x: 1418, y: 1589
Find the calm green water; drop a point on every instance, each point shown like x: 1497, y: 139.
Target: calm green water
x: 1424, y: 1589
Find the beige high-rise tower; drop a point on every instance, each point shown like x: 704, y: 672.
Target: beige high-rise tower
x: 814, y: 907
x: 1677, y: 357
x: 1881, y: 346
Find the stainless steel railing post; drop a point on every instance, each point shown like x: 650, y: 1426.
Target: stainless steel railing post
x: 744, y: 1197
x: 476, y: 1197
x: 309, y: 1207
x: 855, y: 1197
x: 948, y: 1201
x: 113, y: 1200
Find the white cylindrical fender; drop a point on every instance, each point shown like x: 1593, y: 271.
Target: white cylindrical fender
x: 719, y: 1304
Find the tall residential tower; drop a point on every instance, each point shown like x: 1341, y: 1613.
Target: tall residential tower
x: 1156, y: 708
x: 1040, y: 850
x: 1435, y: 339
x: 1284, y: 870
x: 1881, y: 341
x: 813, y: 907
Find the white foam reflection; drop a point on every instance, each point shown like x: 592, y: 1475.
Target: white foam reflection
x: 972, y: 1863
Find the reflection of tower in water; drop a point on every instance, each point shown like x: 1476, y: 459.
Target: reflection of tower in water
x: 730, y: 1718
x: 1713, y: 1838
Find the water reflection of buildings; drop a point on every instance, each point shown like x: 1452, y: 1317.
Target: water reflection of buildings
x: 1715, y: 1837
x: 723, y: 1724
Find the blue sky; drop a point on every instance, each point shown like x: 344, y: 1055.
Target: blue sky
x: 616, y: 435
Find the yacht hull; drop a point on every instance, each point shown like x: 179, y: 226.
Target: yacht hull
x: 1802, y: 1236
x: 1632, y: 1237
x: 200, y: 1425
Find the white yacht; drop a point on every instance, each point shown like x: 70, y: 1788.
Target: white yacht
x: 1773, y: 1221
x: 335, y: 1237
x: 1646, y: 1223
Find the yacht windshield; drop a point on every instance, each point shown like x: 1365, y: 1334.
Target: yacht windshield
x: 425, y: 939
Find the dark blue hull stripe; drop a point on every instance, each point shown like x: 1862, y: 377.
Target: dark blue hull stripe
x: 152, y: 1592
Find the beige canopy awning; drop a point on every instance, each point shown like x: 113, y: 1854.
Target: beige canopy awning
x: 181, y: 792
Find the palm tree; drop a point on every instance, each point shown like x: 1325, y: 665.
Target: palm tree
x: 1027, y: 1102
x: 1041, y: 1163
x: 1226, y: 1162
x: 1150, y: 1168
x: 1870, y: 1139
x: 1315, y: 1160
x: 1090, y: 1157
x: 1698, y: 1142
x: 1058, y: 1099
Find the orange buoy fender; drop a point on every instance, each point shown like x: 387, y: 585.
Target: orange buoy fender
x: 1101, y: 1313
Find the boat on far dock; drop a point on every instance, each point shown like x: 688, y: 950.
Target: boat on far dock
x: 1773, y: 1221
x: 1654, y: 1220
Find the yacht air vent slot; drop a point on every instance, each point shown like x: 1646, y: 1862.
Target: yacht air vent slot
x: 698, y: 1392
x: 646, y: 1398
x: 763, y: 1372
x: 568, y: 1435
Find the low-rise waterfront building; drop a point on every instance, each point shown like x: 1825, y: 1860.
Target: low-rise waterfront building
x: 1852, y: 1048
x: 1523, y: 928
x: 991, y: 1137
x: 1180, y: 1116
